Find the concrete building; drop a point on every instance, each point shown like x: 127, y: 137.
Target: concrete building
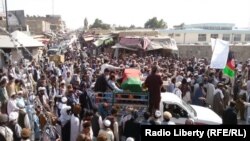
x: 56, y: 23
x: 18, y: 46
x: 40, y: 24
x: 195, y: 39
x: 37, y: 25
x: 202, y: 33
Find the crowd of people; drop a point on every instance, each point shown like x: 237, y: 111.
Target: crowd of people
x: 56, y: 101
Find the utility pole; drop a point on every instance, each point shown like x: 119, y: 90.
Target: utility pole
x: 6, y: 11
x: 52, y: 7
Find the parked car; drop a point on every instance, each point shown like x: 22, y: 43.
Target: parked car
x: 181, y: 111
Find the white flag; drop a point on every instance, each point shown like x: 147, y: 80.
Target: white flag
x: 213, y: 42
x: 220, y: 54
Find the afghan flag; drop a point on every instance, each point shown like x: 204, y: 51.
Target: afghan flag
x: 229, y: 70
x: 131, y: 80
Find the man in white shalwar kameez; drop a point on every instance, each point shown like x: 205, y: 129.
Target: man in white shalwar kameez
x: 64, y: 115
x: 12, y: 104
x: 65, y: 119
x: 210, y: 93
x: 75, y: 123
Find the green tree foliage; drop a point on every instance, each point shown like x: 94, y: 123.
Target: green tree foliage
x: 155, y: 23
x: 99, y: 24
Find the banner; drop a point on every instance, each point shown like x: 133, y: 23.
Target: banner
x: 220, y: 54
x: 213, y: 41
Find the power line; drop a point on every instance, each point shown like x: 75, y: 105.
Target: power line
x: 15, y: 41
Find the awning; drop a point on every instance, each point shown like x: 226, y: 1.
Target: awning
x: 7, y: 42
x: 123, y: 47
x: 139, y: 42
x: 163, y: 44
x: 25, y: 40
x: 103, y: 40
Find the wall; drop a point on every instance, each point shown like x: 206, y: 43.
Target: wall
x: 37, y: 27
x: 36, y: 53
x: 191, y: 36
x: 16, y: 55
x: 187, y: 51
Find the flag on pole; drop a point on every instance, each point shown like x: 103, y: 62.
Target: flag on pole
x: 220, y: 54
x: 229, y: 70
x: 213, y: 42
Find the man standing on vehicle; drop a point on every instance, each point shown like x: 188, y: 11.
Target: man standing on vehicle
x: 154, y: 83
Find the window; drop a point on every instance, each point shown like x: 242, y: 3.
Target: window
x: 247, y: 37
x: 215, y: 36
x: 177, y: 35
x: 237, y: 37
x: 226, y: 37
x: 171, y: 35
x: 175, y: 110
x: 202, y: 37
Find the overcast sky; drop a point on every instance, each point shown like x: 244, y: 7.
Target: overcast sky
x: 137, y: 12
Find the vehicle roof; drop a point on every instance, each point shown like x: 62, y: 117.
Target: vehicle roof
x: 170, y: 98
x: 54, y: 49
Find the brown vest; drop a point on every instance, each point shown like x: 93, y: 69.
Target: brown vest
x: 21, y: 118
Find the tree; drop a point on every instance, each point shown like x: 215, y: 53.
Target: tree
x: 121, y: 28
x: 181, y: 26
x: 99, y: 24
x: 154, y: 23
x: 86, y: 24
x: 132, y: 26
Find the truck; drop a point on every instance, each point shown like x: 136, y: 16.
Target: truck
x: 180, y: 110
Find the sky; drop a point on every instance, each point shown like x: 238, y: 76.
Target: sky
x: 137, y: 12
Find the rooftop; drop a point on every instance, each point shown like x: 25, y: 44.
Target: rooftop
x: 195, y: 30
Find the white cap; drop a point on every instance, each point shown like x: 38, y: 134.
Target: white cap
x: 32, y: 98
x: 188, y: 80
x: 157, y: 114
x: 106, y: 123
x: 20, y: 92
x: 4, y: 77
x: 24, y: 76
x: 64, y: 99
x: 41, y: 89
x: 178, y: 84
x: 13, y: 116
x: 130, y: 139
x: 63, y: 82
x: 196, y: 74
x: 12, y: 94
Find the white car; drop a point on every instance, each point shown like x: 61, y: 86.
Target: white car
x: 180, y: 111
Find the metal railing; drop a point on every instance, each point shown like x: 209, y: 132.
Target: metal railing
x: 140, y: 99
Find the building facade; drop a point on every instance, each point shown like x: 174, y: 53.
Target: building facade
x: 202, y: 34
x: 37, y: 26
x: 195, y: 40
